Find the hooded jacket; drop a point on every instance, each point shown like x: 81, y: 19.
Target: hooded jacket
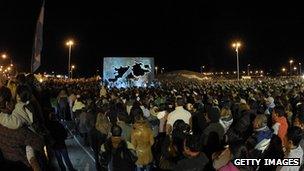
x: 142, y: 139
x: 226, y: 122
x: 20, y: 116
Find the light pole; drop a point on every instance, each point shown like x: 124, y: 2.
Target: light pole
x: 237, y: 45
x: 295, y: 69
x: 202, y: 67
x: 290, y: 65
x: 69, y: 43
x: 72, y: 68
x: 300, y: 68
x: 283, y: 70
x: 248, y: 69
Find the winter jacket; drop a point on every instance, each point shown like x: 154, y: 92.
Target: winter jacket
x: 226, y: 122
x: 197, y: 163
x: 213, y: 127
x: 20, y: 116
x: 280, y: 128
x: 113, y: 154
x: 142, y: 139
x: 59, y: 134
x: 13, y: 143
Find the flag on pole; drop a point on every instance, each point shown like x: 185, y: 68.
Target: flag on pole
x: 37, y: 47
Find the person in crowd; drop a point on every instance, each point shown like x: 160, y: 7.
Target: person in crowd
x: 60, y: 134
x: 179, y: 134
x: 270, y: 105
x: 21, y: 115
x: 198, y: 120
x: 194, y: 160
x: 226, y: 118
x: 63, y: 102
x: 293, y: 148
x: 214, y: 127
x: 123, y: 122
x: 116, y: 153
x: 260, y: 139
x: 221, y: 160
x: 178, y: 113
x: 280, y: 125
x: 18, y: 147
x: 99, y: 134
x: 142, y: 139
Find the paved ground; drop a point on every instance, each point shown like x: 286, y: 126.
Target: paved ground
x: 81, y: 157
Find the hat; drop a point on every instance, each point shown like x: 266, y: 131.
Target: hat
x: 270, y: 100
x: 243, y: 101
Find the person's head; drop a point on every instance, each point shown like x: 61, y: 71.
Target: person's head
x: 225, y: 112
x: 21, y: 79
x: 23, y: 94
x: 260, y: 121
x: 189, y: 107
x: 239, y: 151
x: 138, y: 117
x: 294, y: 136
x: 116, y: 131
x: 192, y: 145
x: 299, y: 121
x: 213, y: 114
x: 278, y: 111
x: 179, y: 101
x: 269, y: 101
x: 244, y: 107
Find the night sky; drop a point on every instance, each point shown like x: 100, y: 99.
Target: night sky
x: 180, y: 35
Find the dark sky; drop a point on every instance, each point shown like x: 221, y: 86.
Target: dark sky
x: 180, y: 35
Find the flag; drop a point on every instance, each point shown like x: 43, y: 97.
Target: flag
x: 37, y: 47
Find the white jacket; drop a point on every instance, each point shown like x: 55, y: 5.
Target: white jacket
x: 20, y: 116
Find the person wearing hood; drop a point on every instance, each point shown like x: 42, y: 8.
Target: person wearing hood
x: 21, y: 115
x: 142, y: 139
x: 195, y: 159
x: 259, y: 141
x: 116, y: 153
x: 226, y: 118
x: 213, y: 116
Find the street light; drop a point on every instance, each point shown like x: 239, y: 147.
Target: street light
x: 283, y: 70
x: 237, y: 45
x: 72, y: 68
x: 248, y: 69
x: 69, y: 43
x: 156, y: 69
x: 202, y: 67
x: 4, y: 56
x: 290, y: 65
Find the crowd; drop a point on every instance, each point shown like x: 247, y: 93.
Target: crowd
x: 176, y: 125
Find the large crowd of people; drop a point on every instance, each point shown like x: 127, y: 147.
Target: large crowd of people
x: 177, y: 125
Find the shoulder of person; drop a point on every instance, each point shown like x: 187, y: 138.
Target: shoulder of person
x: 130, y: 145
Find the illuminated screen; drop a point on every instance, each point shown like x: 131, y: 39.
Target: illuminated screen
x: 128, y: 71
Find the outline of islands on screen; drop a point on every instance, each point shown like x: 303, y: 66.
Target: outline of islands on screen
x: 134, y: 73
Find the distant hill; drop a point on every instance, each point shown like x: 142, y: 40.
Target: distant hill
x: 181, y: 74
